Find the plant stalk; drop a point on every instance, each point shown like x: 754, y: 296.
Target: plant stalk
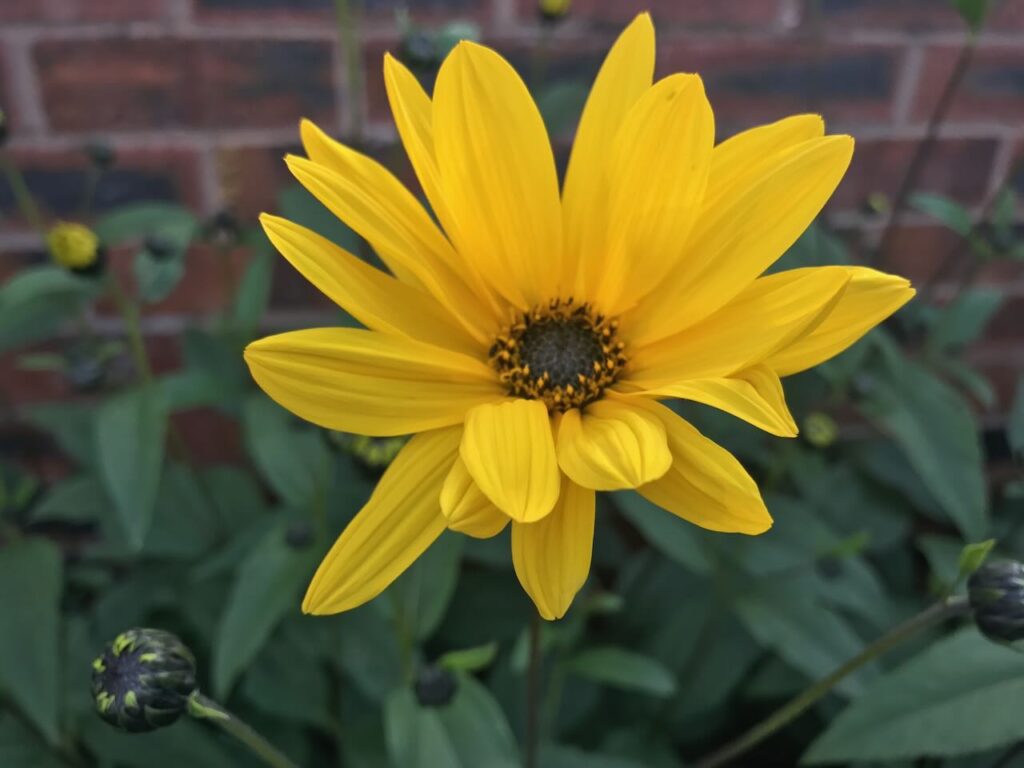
x: 347, y: 17
x: 22, y: 194
x: 533, y: 695
x: 203, y: 708
x: 935, y: 614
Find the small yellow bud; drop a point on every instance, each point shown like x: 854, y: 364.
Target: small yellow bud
x: 553, y: 10
x: 73, y: 246
x: 820, y: 429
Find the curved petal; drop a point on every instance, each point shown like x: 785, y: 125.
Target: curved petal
x: 611, y: 446
x: 362, y: 381
x: 870, y: 298
x: 768, y: 315
x: 706, y: 485
x: 754, y: 395
x: 741, y: 236
x: 498, y: 174
x: 466, y: 508
x: 739, y: 161
x: 375, y: 299
x: 626, y: 74
x: 657, y: 173
x: 552, y: 557
x: 510, y: 453
x: 367, y: 197
x: 398, y: 523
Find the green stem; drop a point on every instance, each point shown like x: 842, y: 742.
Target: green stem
x: 937, y: 613
x: 533, y: 695
x: 202, y: 708
x: 22, y: 195
x: 130, y: 314
x: 347, y: 16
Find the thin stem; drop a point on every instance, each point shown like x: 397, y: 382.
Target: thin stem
x: 937, y: 613
x: 130, y: 314
x: 22, y: 194
x: 924, y: 148
x: 203, y: 708
x: 533, y: 695
x: 347, y: 16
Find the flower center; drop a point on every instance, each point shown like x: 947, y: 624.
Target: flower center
x: 563, y: 353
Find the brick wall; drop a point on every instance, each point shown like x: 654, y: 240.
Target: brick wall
x: 193, y: 93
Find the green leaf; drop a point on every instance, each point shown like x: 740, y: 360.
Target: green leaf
x: 30, y: 572
x: 72, y: 425
x: 186, y: 743
x: 960, y: 695
x: 477, y: 727
x: 949, y: 212
x: 1015, y: 425
x: 424, y: 591
x: 130, y: 432
x: 936, y: 431
x: 298, y: 205
x: 292, y: 457
x: 964, y: 320
x: 76, y: 499
x: 676, y: 539
x: 469, y: 659
x: 266, y: 588
x: 415, y: 736
x: 254, y: 288
x: 37, y: 301
x: 21, y: 748
x: 623, y: 669
x: 156, y: 277
x: 973, y: 12
x: 561, y: 104
x: 973, y: 556
x: 565, y: 756
x: 167, y: 221
x: 942, y: 553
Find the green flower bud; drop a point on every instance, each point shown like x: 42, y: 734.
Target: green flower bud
x: 100, y: 154
x: 76, y: 248
x: 373, y: 454
x: 553, y: 10
x: 996, y: 595
x: 820, y: 429
x: 143, y: 680
x: 435, y: 686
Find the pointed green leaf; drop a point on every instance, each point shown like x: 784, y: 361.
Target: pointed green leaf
x: 623, y: 669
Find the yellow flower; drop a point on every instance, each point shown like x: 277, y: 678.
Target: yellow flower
x: 528, y: 340
x: 73, y: 246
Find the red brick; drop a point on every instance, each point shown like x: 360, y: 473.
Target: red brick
x: 90, y: 85
x: 73, y: 11
x: 909, y: 15
x: 992, y: 88
x: 691, y: 13
x: 916, y: 251
x: 58, y: 180
x: 1009, y: 320
x: 759, y: 81
x: 303, y: 12
x: 958, y: 168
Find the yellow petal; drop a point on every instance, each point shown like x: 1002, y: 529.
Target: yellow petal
x: 375, y: 299
x: 741, y: 236
x: 371, y: 383
x: 364, y: 194
x: 870, y: 298
x: 498, y: 174
x: 768, y: 315
x: 552, y: 556
x: 611, y: 446
x: 466, y: 508
x: 401, y: 519
x: 626, y: 74
x: 657, y: 173
x: 754, y: 395
x: 738, y: 162
x: 510, y: 453
x: 705, y: 485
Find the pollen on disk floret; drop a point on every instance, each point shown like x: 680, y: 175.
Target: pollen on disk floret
x: 563, y: 353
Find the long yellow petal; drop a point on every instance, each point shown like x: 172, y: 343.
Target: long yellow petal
x: 870, y: 298
x: 657, y: 173
x: 466, y: 508
x: 498, y: 174
x: 377, y: 300
x: 768, y: 315
x: 510, y: 453
x: 611, y: 446
x: 705, y: 485
x: 737, y: 239
x: 626, y: 74
x: 739, y: 161
x: 401, y: 519
x: 367, y: 197
x: 371, y: 383
x: 754, y: 395
x: 552, y: 556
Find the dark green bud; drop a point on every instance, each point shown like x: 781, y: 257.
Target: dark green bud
x: 159, y: 247
x: 419, y: 51
x: 101, y: 155
x: 996, y: 595
x: 373, y: 454
x: 3, y: 127
x: 223, y: 229
x: 143, y: 680
x: 299, y: 534
x: 435, y: 686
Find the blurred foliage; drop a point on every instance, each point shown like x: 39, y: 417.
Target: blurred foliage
x: 681, y: 639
